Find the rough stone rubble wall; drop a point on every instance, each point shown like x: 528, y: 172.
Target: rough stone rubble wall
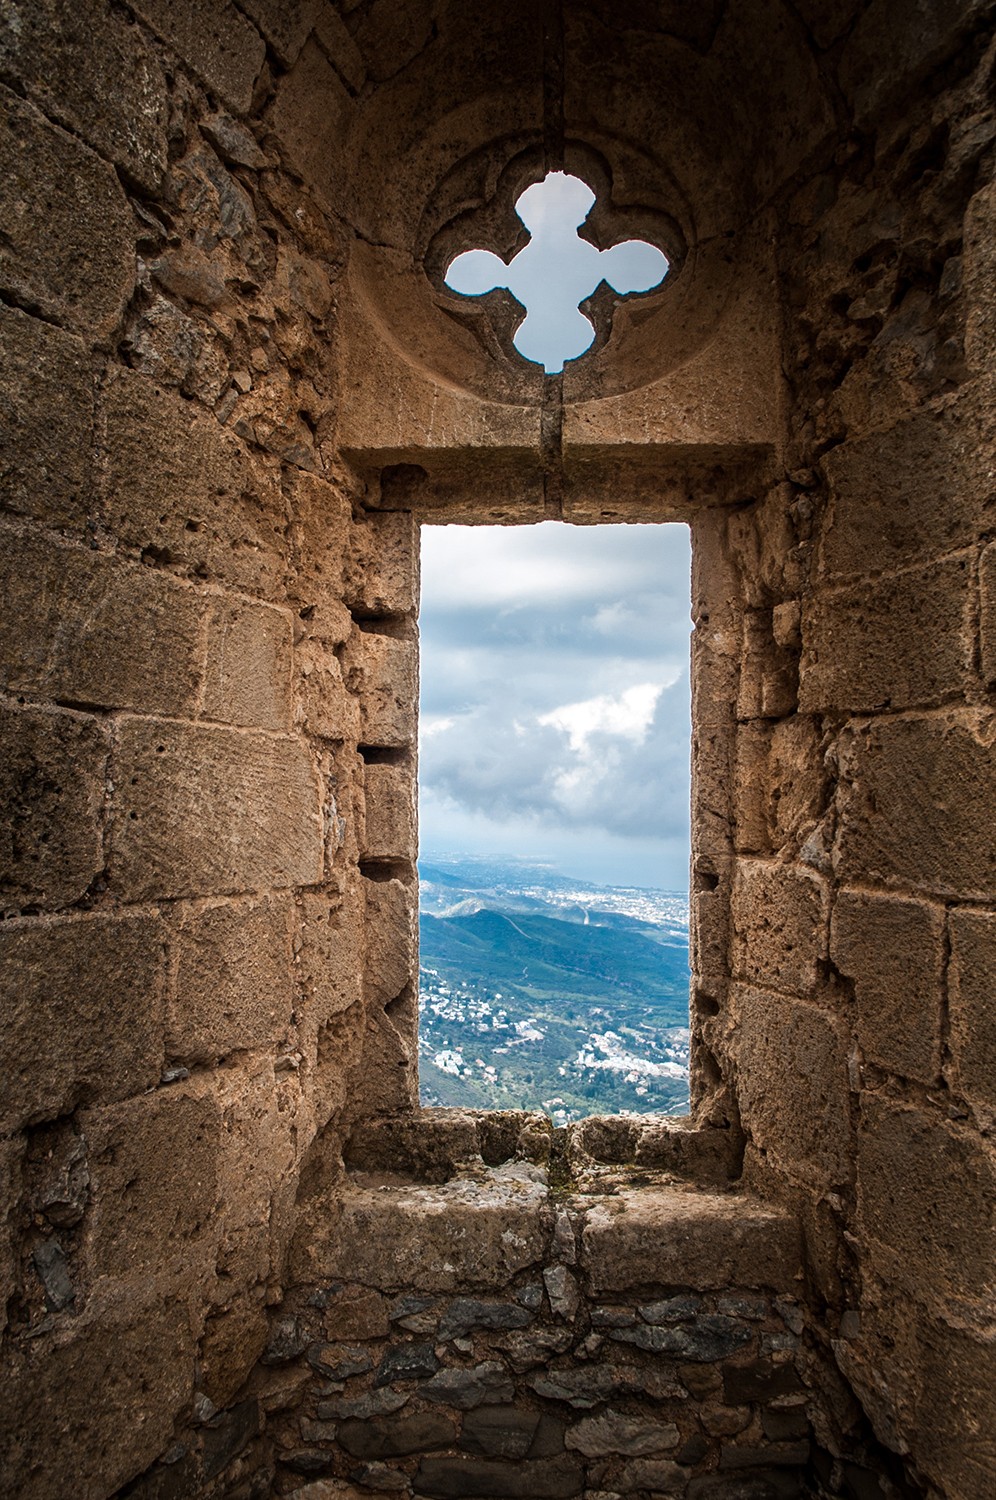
x: 485, y: 1336
x: 844, y: 735
x: 197, y: 640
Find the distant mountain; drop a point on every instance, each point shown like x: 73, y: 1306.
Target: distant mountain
x: 541, y: 992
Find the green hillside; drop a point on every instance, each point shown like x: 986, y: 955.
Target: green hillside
x: 547, y: 955
x: 574, y: 1013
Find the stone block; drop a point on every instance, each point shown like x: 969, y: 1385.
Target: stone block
x: 714, y: 782
x: 700, y: 1338
x: 329, y: 945
x: 760, y: 1381
x: 916, y: 804
x: 390, y: 48
x: 382, y: 574
x: 724, y: 1421
x: 779, y: 916
x: 793, y: 1086
x: 286, y: 24
x: 11, y: 1158
x: 268, y: 1126
x: 705, y: 1156
x: 715, y: 655
x: 311, y: 118
x: 770, y: 1456
x: 321, y: 525
x: 182, y: 491
x: 979, y: 268
x: 199, y: 810
x: 659, y: 1476
x: 234, y: 142
x: 163, y: 343
x: 391, y: 939
x: 972, y: 1002
x: 461, y: 1234
x: 91, y: 70
x: 227, y: 1435
x: 386, y: 1082
x: 153, y: 1180
x: 912, y: 491
x: 390, y: 812
x: 751, y: 781
x: 710, y: 924
x: 768, y: 676
x: 895, y: 45
x: 613, y: 1432
x: 81, y: 1390
x: 358, y: 1314
x: 82, y: 1005
x: 217, y: 41
x: 86, y: 629
x: 52, y: 777
x: 247, y: 677
x: 47, y: 392
x: 324, y: 707
x: 794, y: 780
x: 907, y: 642
x: 891, y: 950
x: 430, y: 1147
x: 394, y: 1437
x: 987, y: 622
x: 955, y: 1417
x: 338, y: 45
x: 511, y: 1432
x: 927, y: 1198
x: 673, y: 1237
x: 232, y: 1344
x: 382, y: 670
x: 65, y: 226
x: 231, y: 979
x: 464, y: 1478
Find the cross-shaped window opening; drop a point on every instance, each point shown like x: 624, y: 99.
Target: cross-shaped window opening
x: 557, y: 270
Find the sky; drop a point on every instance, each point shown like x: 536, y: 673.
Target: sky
x: 555, y: 718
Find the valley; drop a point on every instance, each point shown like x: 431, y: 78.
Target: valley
x: 541, y: 992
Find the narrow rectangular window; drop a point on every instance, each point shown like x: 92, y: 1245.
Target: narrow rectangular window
x: 554, y: 753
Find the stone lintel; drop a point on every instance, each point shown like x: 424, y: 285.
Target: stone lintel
x: 587, y: 483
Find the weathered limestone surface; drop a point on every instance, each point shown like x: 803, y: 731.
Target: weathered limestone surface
x: 235, y: 1260
x: 266, y: 793
x: 94, y: 72
x: 49, y: 391
x: 66, y: 985
x: 66, y: 225
x: 52, y: 779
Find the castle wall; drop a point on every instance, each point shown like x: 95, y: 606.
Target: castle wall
x: 196, y: 641
x: 843, y: 952
x: 230, y: 396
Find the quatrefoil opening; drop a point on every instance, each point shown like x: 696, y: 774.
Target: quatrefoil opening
x: 556, y: 271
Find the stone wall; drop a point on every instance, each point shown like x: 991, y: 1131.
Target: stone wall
x: 554, y: 1323
x: 844, y: 739
x: 203, y: 660
x: 233, y: 386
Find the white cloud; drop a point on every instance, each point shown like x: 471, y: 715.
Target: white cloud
x: 432, y: 724
x: 629, y: 715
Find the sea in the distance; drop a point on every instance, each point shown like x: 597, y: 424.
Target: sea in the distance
x: 541, y: 992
